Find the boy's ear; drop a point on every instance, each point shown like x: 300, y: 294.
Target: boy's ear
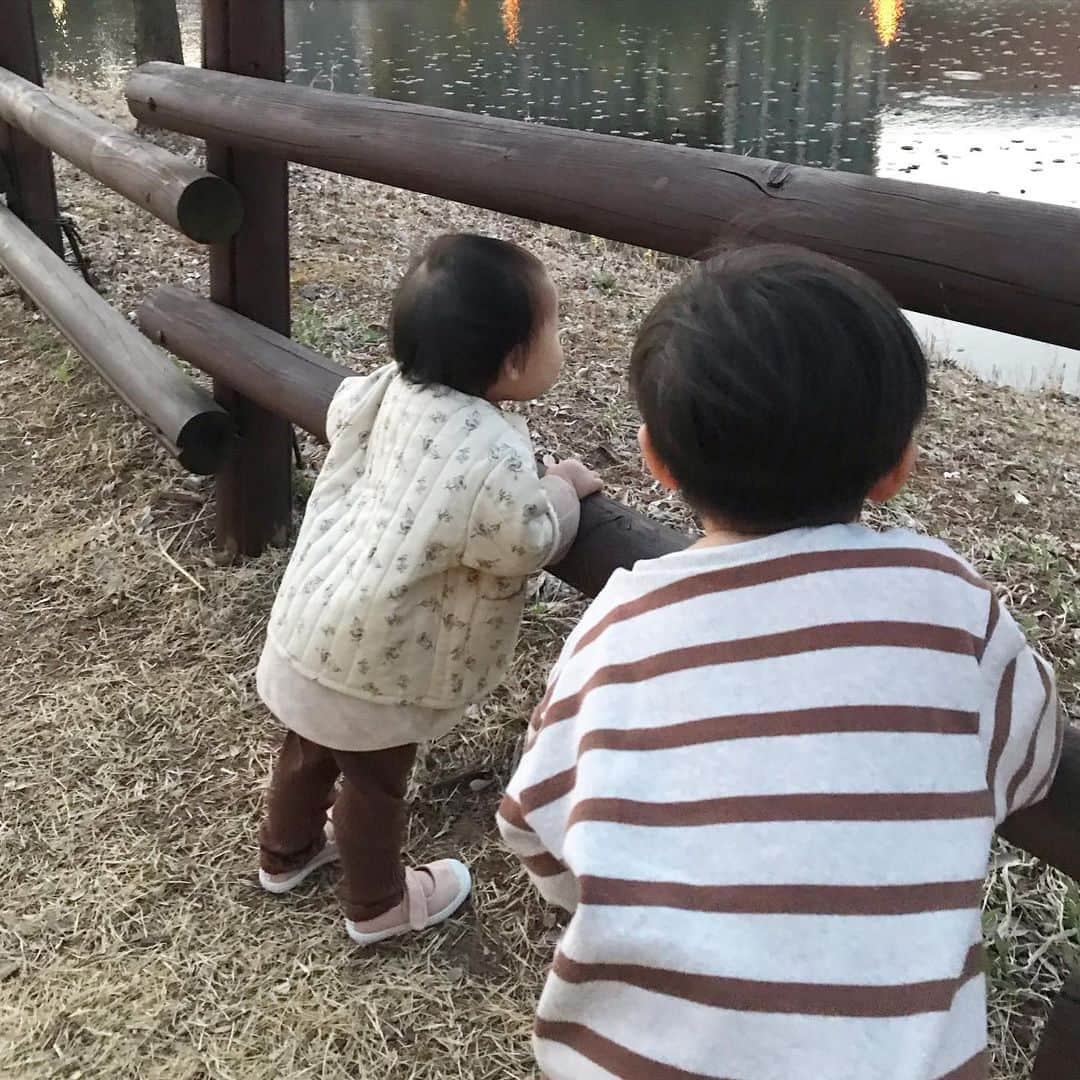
x: 891, y: 483
x: 660, y: 472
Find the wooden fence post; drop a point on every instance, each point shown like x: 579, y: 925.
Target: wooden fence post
x: 250, y: 274
x: 28, y: 165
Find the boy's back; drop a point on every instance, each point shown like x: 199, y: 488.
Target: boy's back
x: 765, y: 778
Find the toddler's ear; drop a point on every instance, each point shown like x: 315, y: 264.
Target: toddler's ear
x: 657, y: 469
x: 894, y: 480
x: 513, y: 365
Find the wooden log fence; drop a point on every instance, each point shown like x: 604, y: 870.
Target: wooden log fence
x: 204, y: 207
x: 1001, y: 263
x: 184, y: 417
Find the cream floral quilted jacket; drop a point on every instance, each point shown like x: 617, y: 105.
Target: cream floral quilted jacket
x: 408, y: 579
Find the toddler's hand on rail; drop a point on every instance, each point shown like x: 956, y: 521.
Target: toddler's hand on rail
x: 581, y: 478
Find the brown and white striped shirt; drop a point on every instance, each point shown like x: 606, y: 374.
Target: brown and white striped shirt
x: 764, y: 779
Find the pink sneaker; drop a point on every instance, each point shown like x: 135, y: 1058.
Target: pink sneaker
x: 286, y: 882
x: 432, y: 894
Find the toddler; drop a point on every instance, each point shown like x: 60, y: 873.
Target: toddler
x: 767, y: 769
x: 401, y: 603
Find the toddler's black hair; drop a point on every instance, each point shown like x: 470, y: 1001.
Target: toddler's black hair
x: 463, y: 306
x: 778, y: 386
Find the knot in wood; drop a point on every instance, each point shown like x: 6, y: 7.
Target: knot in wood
x: 778, y: 176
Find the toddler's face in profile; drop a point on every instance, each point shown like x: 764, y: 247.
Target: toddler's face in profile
x: 532, y: 371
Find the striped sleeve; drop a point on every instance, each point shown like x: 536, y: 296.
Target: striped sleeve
x: 1022, y: 718
x: 541, y: 855
x: 553, y: 880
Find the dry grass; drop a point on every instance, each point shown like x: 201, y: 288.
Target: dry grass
x: 134, y: 940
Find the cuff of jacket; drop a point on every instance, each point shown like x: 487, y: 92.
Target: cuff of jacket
x: 567, y: 507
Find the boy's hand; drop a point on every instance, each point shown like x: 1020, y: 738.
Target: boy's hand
x: 582, y: 479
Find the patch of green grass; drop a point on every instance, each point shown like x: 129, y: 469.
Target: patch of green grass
x: 64, y: 372
x: 331, y: 336
x: 606, y: 282
x: 372, y: 335
x: 309, y: 326
x: 303, y: 483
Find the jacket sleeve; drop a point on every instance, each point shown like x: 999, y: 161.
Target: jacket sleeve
x: 1021, y: 717
x: 514, y: 526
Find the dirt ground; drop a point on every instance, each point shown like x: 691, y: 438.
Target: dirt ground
x: 134, y: 940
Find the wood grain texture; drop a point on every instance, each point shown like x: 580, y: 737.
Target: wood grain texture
x: 273, y: 371
x: 182, y: 416
x: 204, y: 207
x: 250, y: 274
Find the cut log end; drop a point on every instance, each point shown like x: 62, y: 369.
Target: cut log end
x: 210, y: 210
x: 206, y: 441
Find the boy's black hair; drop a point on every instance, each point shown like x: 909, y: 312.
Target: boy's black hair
x: 463, y: 306
x: 778, y: 386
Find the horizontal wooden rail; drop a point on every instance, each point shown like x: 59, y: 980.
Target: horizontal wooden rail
x: 274, y: 371
x: 298, y: 383
x: 1001, y: 263
x: 184, y: 417
x: 202, y: 206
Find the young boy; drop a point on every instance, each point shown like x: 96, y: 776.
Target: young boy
x: 767, y: 769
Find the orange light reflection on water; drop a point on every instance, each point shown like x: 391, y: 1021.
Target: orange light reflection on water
x: 887, y: 15
x: 511, y: 17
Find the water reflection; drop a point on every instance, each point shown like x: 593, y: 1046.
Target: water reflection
x: 85, y: 38
x: 94, y: 40
x: 886, y: 15
x: 876, y: 87
x: 511, y: 19
x: 979, y: 94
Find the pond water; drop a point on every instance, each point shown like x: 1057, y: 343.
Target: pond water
x: 977, y: 94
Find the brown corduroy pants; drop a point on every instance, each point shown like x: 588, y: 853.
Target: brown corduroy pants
x: 369, y: 818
